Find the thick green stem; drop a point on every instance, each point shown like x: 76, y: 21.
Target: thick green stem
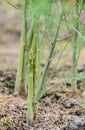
x: 19, y: 79
x: 30, y: 87
x: 38, y: 56
x: 37, y: 65
x: 34, y: 70
x: 23, y: 87
x: 33, y: 57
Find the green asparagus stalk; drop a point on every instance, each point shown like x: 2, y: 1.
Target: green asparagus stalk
x: 19, y: 86
x: 30, y: 87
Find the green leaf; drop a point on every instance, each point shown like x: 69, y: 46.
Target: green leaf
x: 6, y: 123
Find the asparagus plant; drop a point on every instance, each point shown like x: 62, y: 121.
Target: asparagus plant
x: 29, y: 59
x: 30, y: 81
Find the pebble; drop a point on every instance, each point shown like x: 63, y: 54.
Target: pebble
x: 76, y: 123
x: 80, y: 68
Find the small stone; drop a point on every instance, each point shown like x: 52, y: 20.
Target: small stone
x: 72, y: 126
x: 68, y: 104
x: 80, y: 68
x: 78, y: 112
x: 79, y: 121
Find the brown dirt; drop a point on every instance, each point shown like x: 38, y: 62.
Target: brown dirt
x: 57, y: 110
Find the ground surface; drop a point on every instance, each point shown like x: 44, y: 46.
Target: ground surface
x: 57, y: 109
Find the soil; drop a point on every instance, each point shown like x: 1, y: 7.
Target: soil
x: 57, y: 110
